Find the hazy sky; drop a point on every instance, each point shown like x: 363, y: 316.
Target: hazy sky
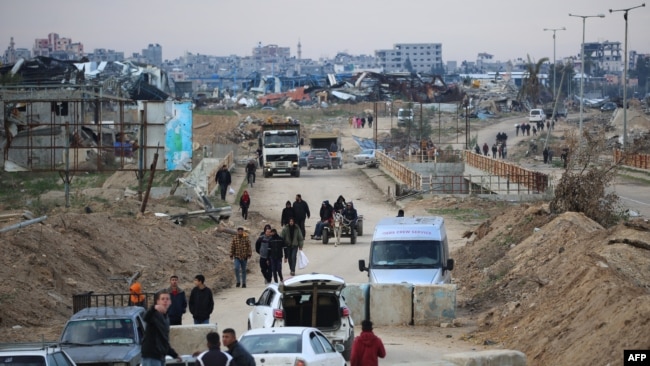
x: 507, y: 29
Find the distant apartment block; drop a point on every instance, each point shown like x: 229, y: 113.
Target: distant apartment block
x: 153, y: 54
x: 58, y: 47
x: 423, y: 57
x: 607, y: 56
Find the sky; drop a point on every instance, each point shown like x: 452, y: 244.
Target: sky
x: 506, y: 29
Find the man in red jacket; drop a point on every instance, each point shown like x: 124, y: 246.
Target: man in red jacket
x: 367, y: 347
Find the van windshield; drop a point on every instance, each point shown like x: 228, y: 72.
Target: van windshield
x: 406, y: 254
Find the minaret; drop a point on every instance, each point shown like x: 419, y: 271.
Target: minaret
x: 299, y: 49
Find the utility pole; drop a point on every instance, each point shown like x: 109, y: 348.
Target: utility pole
x: 625, y: 11
x: 554, y: 65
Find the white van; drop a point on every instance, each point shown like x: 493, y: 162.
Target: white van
x: 536, y: 115
x: 411, y: 250
x: 404, y: 116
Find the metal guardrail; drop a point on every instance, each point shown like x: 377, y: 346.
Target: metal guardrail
x: 503, y: 177
x: 535, y: 181
x: 404, y: 174
x: 641, y: 161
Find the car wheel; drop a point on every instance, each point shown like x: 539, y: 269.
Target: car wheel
x: 297, y: 175
x: 308, y: 167
x: 326, y: 236
x: 353, y: 236
x: 360, y: 228
x: 329, y: 167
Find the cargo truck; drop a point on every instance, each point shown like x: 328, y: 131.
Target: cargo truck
x: 280, y: 143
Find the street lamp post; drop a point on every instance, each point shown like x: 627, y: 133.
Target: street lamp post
x: 625, y: 11
x: 554, y: 65
x: 582, y: 66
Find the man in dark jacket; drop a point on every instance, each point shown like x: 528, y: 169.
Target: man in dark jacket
x: 179, y: 302
x: 301, y: 212
x: 155, y: 344
x: 276, y: 253
x: 326, y: 215
x: 214, y: 356
x: 262, y: 248
x: 287, y: 213
x: 201, y: 301
x: 239, y: 354
x: 224, y: 180
x: 367, y: 347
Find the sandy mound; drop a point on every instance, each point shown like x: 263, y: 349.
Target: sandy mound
x: 567, y: 293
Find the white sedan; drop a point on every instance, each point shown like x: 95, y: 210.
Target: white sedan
x: 291, y: 346
x: 367, y: 156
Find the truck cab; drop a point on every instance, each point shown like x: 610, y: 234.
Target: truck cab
x: 280, y: 144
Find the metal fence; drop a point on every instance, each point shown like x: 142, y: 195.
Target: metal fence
x: 502, y: 177
x: 641, y: 161
x: 92, y: 300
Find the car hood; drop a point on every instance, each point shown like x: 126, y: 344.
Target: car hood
x: 306, y: 282
x: 408, y: 275
x: 102, y: 353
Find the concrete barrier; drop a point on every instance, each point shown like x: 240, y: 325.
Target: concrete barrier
x: 355, y: 297
x: 186, y: 339
x: 390, y: 304
x: 486, y: 358
x: 433, y: 304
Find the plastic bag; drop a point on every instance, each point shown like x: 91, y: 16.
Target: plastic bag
x: 231, y: 191
x: 302, y: 259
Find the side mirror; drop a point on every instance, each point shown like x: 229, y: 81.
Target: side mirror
x: 450, y: 265
x: 251, y: 301
x: 362, y: 265
x: 339, y: 348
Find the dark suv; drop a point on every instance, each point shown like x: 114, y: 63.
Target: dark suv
x: 106, y: 336
x: 319, y: 158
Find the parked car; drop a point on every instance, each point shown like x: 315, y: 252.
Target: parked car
x: 291, y: 346
x: 367, y: 156
x: 319, y: 159
x: 290, y: 304
x: 608, y: 107
x: 302, y: 160
x: 106, y: 336
x: 404, y: 116
x: 536, y: 115
x: 39, y: 353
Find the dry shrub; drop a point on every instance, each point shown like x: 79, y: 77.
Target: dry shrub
x: 583, y: 185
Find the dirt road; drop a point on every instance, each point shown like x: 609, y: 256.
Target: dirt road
x: 405, y: 344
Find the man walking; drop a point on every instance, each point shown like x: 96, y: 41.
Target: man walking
x: 155, y: 343
x: 294, y: 240
x: 367, y: 347
x: 301, y: 212
x: 262, y: 248
x: 224, y: 180
x: 240, y: 252
x: 178, y: 305
x: 201, y: 301
x: 239, y: 354
x: 214, y: 356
